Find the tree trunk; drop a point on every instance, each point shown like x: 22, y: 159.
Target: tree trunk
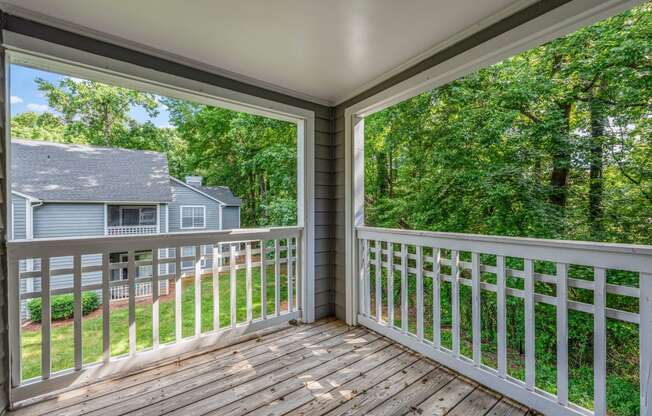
x: 561, y: 156
x: 596, y: 185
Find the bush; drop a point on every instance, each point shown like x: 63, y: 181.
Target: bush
x: 63, y: 306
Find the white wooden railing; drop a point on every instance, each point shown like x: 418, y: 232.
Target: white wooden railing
x: 234, y: 255
x: 413, y: 257
x: 132, y: 230
x: 143, y: 289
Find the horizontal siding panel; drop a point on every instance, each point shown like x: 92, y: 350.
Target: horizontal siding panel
x: 182, y: 195
x: 68, y: 220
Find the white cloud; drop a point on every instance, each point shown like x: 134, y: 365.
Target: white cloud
x: 16, y: 99
x: 38, y: 108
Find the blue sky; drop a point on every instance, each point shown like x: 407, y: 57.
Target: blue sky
x: 26, y: 97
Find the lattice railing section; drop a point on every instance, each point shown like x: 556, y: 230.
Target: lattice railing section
x: 238, y: 282
x: 483, y: 305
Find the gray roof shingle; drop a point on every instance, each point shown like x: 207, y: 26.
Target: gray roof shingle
x: 73, y: 172
x: 221, y: 193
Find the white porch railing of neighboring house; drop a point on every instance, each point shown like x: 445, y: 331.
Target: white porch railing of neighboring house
x: 504, y: 267
x: 132, y: 230
x: 236, y: 255
x: 143, y: 289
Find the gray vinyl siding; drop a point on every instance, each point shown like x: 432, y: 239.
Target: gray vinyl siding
x: 230, y: 218
x: 68, y: 220
x: 19, y: 222
x: 182, y: 195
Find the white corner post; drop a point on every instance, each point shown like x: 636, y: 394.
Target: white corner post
x: 645, y: 348
x: 354, y: 193
x: 306, y: 215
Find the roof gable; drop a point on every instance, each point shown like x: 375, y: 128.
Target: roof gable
x: 81, y: 173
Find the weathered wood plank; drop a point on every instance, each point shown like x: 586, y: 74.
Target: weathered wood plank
x: 327, y: 402
x: 279, y: 391
x: 506, y: 407
x: 417, y: 392
x: 445, y: 399
x: 366, y: 400
x: 478, y: 403
x: 319, y: 388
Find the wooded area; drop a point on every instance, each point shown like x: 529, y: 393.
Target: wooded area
x: 554, y: 142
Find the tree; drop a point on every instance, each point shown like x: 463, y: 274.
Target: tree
x: 96, y: 111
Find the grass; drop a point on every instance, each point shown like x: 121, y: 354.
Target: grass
x: 62, y: 345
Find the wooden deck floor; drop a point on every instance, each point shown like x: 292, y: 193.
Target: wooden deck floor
x: 325, y: 368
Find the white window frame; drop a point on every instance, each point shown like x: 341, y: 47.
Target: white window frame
x: 182, y: 207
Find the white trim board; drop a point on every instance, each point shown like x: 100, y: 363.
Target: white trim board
x: 180, y: 182
x: 558, y: 22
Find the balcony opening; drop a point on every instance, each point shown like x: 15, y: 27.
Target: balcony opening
x: 107, y: 166
x: 553, y: 144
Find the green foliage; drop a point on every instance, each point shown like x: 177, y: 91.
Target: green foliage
x: 63, y: 306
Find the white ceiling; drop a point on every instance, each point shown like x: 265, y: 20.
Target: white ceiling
x: 316, y: 49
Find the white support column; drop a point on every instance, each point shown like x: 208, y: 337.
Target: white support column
x: 645, y: 334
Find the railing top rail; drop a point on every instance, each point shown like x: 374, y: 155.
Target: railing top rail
x: 633, y: 257
x: 66, y: 246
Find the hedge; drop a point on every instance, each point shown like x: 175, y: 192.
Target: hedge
x: 63, y: 306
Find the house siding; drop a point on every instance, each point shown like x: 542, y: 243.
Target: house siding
x: 68, y: 220
x: 162, y: 218
x: 182, y: 195
x: 19, y: 217
x: 230, y: 217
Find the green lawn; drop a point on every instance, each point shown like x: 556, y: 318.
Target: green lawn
x: 62, y: 347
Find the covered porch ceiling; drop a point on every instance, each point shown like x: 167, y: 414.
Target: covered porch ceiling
x: 320, y: 51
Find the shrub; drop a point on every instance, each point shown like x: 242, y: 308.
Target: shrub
x: 63, y: 306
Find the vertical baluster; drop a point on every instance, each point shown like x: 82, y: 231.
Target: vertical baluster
x: 197, y: 290
x: 475, y: 307
x: 600, y: 342
x: 562, y: 333
x: 155, y: 299
x: 436, y: 297
x: 419, y: 264
x: 390, y: 283
x: 277, y: 277
x: 645, y: 340
x: 233, y: 274
x: 77, y: 312
x: 379, y: 276
x: 106, y: 307
x: 529, y: 324
x: 502, y: 316
x: 263, y: 279
x: 455, y: 301
x: 131, y: 274
x: 14, y: 320
x: 288, y: 273
x: 298, y: 288
x: 404, y: 289
x: 178, y: 292
x: 46, y: 320
x: 249, y: 283
x: 217, y: 262
x: 363, y: 292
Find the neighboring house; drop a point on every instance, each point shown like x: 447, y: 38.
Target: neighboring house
x: 71, y: 190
